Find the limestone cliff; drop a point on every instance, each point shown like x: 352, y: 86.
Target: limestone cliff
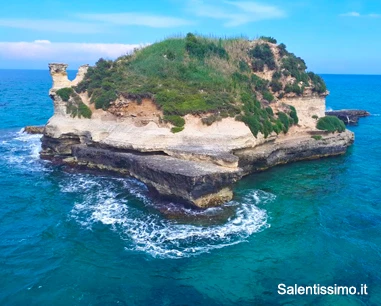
x: 197, y: 165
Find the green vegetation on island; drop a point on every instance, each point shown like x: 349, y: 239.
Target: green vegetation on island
x: 330, y: 124
x: 202, y: 75
x: 75, y: 107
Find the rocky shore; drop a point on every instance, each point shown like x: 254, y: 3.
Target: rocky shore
x: 198, y: 166
x: 349, y: 116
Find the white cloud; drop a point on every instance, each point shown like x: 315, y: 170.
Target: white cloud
x: 42, y: 41
x: 357, y: 14
x: 235, y: 13
x: 44, y: 50
x: 351, y: 14
x: 139, y: 19
x: 50, y: 25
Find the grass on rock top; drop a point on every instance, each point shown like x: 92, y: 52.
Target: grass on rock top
x: 196, y: 75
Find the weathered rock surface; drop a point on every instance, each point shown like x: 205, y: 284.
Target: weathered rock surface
x: 198, y: 165
x: 293, y: 148
x: 201, y: 183
x: 349, y: 116
x: 34, y: 129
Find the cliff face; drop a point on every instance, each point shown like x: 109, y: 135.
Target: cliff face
x: 197, y: 165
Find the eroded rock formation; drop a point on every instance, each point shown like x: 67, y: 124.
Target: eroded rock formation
x: 349, y: 116
x: 198, y: 165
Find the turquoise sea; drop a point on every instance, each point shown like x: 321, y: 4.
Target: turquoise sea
x: 85, y: 239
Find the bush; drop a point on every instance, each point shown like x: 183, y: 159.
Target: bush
x: 295, y: 88
x: 276, y: 86
x: 269, y: 39
x: 84, y: 111
x: 253, y: 124
x: 296, y: 67
x: 259, y: 83
x: 200, y: 48
x: 175, y: 120
x: 211, y: 119
x: 317, y: 137
x: 277, y: 75
x: 268, y: 96
x: 243, y: 66
x: 269, y: 110
x: 330, y: 124
x: 316, y: 117
x: 177, y: 129
x: 282, y: 50
x: 294, y: 115
x: 318, y: 83
x: 65, y: 93
x: 103, y: 101
x: 264, y: 53
x: 285, y: 121
x: 76, y: 108
x: 258, y: 65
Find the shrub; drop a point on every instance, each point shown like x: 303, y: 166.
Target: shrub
x: 318, y: 83
x: 84, y: 111
x: 282, y: 50
x: 316, y: 117
x: 76, y: 108
x: 258, y: 65
x: 317, y: 137
x: 296, y: 67
x: 293, y: 88
x: 175, y: 120
x: 276, y: 86
x: 264, y: 53
x: 211, y: 119
x: 285, y: 121
x: 269, y: 39
x: 65, y: 93
x: 268, y: 96
x: 253, y: 124
x: 103, y: 101
x: 269, y: 110
x: 243, y: 66
x: 200, y: 48
x: 177, y: 129
x: 259, y: 83
x: 330, y: 124
x: 294, y: 115
x: 170, y: 55
x: 277, y: 75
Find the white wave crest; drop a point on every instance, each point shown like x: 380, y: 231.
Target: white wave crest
x: 151, y: 233
x: 21, y: 150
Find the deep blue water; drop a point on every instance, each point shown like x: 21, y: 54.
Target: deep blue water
x: 81, y: 239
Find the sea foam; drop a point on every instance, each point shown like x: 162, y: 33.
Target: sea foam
x: 149, y: 231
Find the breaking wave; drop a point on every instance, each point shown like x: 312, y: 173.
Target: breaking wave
x: 21, y: 150
x: 162, y: 230
x: 148, y: 231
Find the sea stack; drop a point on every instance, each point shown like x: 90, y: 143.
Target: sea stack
x: 191, y: 116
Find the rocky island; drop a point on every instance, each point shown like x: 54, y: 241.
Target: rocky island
x: 191, y: 116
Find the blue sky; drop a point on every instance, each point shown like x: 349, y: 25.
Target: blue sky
x: 332, y: 36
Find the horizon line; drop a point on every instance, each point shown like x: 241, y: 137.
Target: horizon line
x: 40, y: 69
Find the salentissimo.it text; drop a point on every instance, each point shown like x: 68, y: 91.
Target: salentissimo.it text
x: 318, y: 289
